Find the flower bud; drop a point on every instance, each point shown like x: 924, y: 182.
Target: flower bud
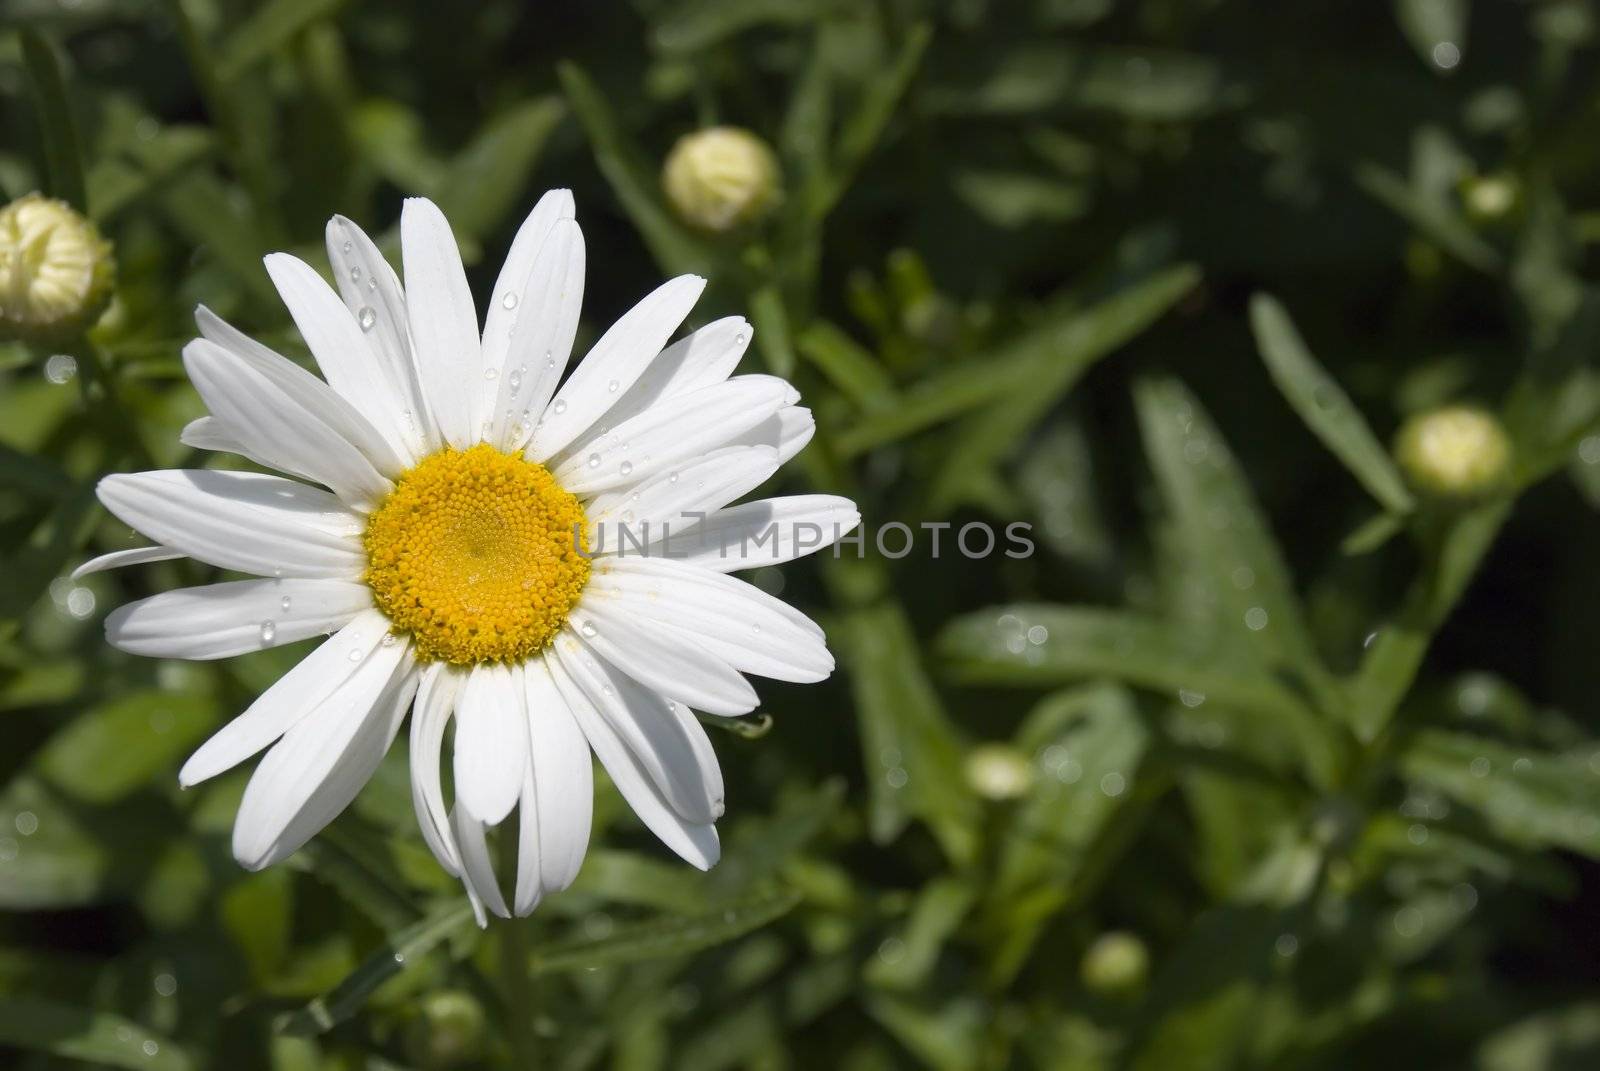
x: 1116, y: 965
x: 1454, y: 452
x: 448, y: 1030
x: 55, y: 270
x: 721, y: 178
x: 999, y: 772
x: 1489, y: 198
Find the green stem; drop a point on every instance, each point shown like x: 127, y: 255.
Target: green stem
x: 519, y: 994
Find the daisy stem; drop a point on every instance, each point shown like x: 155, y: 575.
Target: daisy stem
x: 519, y: 995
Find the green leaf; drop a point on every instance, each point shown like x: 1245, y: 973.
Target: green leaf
x: 1057, y: 480
x: 205, y: 213
x: 1324, y: 406
x: 946, y: 1037
x: 1043, y: 75
x: 771, y: 323
x: 58, y: 128
x: 1559, y: 1039
x: 1043, y: 364
x: 674, y: 935
x: 912, y: 754
x: 633, y: 178
x: 1529, y: 798
x: 1015, y: 199
x: 1430, y: 23
x: 403, y: 947
x: 62, y: 856
x: 691, y: 26
x: 848, y: 366
x: 484, y: 183
x: 1433, y: 219
x: 939, y: 908
x: 1216, y: 515
x: 125, y: 743
x: 269, y: 27
x: 94, y: 1037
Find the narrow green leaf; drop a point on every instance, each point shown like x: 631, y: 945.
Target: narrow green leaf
x: 633, y: 178
x: 61, y: 858
x: 404, y: 947
x: 1044, y: 364
x: 94, y: 1037
x: 675, y: 935
x: 124, y: 744
x: 269, y: 27
x: 1043, y: 75
x: 481, y: 187
x: 58, y: 128
x: 911, y: 751
x: 1324, y: 406
x: 771, y: 322
x: 200, y: 206
x: 848, y: 366
x: 1216, y: 514
x: 1529, y: 798
x: 1432, y: 219
x: 695, y: 25
x: 1372, y: 534
x: 939, y: 909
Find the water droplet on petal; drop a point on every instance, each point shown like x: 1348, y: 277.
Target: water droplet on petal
x: 588, y: 629
x: 284, y: 602
x: 560, y: 406
x: 348, y: 246
x: 366, y: 317
x: 739, y: 339
x: 625, y: 468
x: 594, y: 461
x: 509, y: 301
x: 612, y: 386
x: 672, y: 477
x: 355, y: 654
x: 355, y: 274
x: 269, y: 631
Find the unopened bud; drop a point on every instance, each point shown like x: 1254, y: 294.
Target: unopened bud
x: 1116, y: 965
x: 1488, y: 198
x: 55, y: 270
x: 1454, y: 452
x: 999, y: 772
x: 721, y: 178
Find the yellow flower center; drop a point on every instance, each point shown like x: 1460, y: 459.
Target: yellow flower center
x: 478, y: 555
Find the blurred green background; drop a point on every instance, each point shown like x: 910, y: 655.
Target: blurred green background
x: 1263, y: 760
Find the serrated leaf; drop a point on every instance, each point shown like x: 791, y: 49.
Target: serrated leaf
x: 1324, y: 406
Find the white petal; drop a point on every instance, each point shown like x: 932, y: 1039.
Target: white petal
x: 444, y: 325
x: 312, y: 767
x: 117, y: 559
x: 766, y: 532
x: 675, y: 666
x: 313, y: 395
x: 477, y: 870
x: 372, y: 292
x: 223, y: 620
x: 563, y: 779
x: 291, y: 697
x: 614, y: 363
x: 702, y: 358
x: 491, y: 748
x: 679, y: 498
x: 207, y: 433
x: 247, y: 521
x: 436, y: 696
x: 696, y: 843
x: 787, y: 431
x: 350, y: 773
x: 274, y: 428
x: 529, y: 886
x: 660, y: 734
x: 738, y: 622
x: 533, y: 316
x: 348, y: 361
x: 671, y: 432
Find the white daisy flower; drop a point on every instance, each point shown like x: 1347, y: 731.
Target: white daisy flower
x: 456, y: 550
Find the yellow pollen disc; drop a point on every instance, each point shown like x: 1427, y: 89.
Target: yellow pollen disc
x: 477, y: 555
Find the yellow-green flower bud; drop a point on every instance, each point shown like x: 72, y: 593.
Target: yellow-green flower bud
x: 999, y: 772
x: 721, y: 178
x: 1454, y: 452
x: 448, y: 1030
x: 1116, y: 965
x: 55, y: 270
x: 1490, y: 197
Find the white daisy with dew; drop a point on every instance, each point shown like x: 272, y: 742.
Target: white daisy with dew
x: 443, y: 487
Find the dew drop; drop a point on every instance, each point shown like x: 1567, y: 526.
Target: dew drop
x: 594, y: 461
x: 491, y: 373
x: 348, y: 246
x: 355, y: 274
x: 739, y: 339
x: 269, y: 631
x: 366, y: 317
x: 588, y: 629
x: 612, y: 386
x: 560, y: 406
x: 509, y: 301
x: 284, y: 603
x: 355, y: 654
x: 672, y: 477
x: 625, y: 468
